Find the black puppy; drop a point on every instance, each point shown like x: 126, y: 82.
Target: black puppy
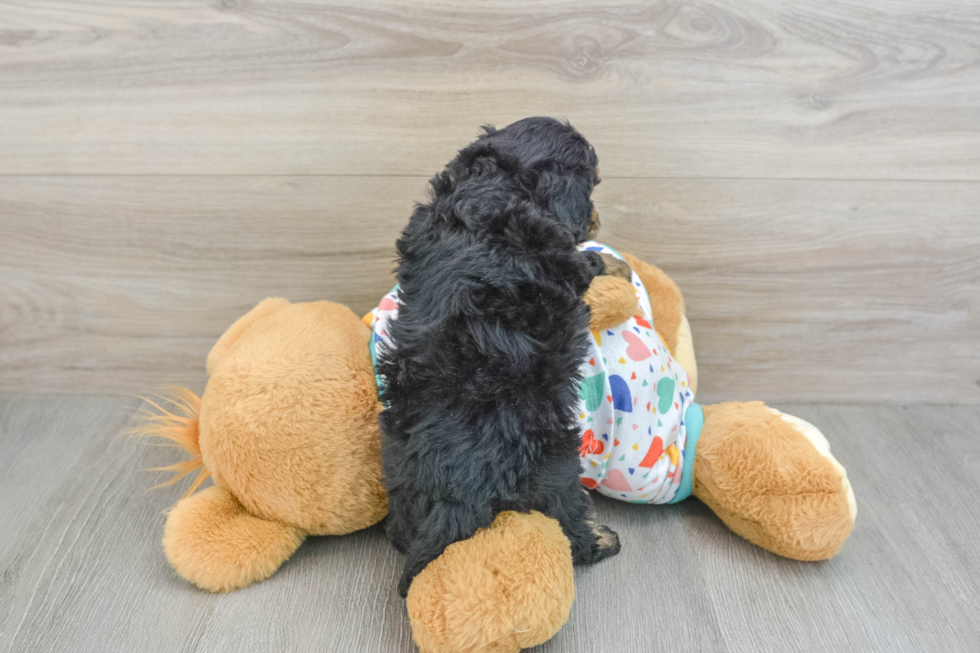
x: 482, y: 379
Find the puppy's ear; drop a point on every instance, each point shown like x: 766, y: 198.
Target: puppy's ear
x: 567, y: 194
x: 482, y: 155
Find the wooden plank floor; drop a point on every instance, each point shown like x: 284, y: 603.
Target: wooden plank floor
x: 82, y: 569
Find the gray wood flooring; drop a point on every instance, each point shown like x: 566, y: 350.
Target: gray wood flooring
x: 81, y: 567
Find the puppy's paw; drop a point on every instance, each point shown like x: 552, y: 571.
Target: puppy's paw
x: 404, y: 584
x: 396, y: 536
x: 598, y: 543
x: 606, y: 543
x: 616, y: 267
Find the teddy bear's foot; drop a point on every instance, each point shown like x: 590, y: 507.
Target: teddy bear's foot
x: 508, y: 587
x: 770, y: 477
x: 214, y: 543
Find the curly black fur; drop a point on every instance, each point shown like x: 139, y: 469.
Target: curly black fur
x: 482, y: 382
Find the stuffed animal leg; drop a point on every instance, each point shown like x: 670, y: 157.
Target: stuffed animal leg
x: 508, y: 587
x: 772, y: 479
x: 212, y: 541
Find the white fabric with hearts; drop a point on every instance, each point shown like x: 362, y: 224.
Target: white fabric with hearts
x: 634, y: 403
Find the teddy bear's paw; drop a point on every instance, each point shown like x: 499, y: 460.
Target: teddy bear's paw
x: 508, y: 587
x: 612, y: 301
x: 820, y: 443
x: 770, y: 477
x: 214, y: 543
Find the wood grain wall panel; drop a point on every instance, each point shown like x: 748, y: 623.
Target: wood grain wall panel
x: 856, y: 89
x: 796, y: 290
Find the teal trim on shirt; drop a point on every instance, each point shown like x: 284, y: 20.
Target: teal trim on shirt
x: 694, y: 421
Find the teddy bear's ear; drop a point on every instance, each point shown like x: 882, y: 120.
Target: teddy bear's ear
x: 266, y: 307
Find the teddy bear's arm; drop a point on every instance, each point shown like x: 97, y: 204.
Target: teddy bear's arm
x: 612, y: 301
x: 669, y: 319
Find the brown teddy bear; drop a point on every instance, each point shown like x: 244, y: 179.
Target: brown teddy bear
x: 287, y: 429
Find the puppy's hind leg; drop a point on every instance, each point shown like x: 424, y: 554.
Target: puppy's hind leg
x: 574, y: 511
x: 403, y: 508
x: 449, y: 521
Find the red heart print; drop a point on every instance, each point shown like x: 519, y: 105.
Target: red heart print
x: 656, y: 448
x: 590, y: 445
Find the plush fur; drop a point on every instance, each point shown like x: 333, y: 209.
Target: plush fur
x: 482, y: 381
x: 666, y: 300
x: 265, y: 308
x: 288, y: 429
x: 770, y: 484
x: 508, y: 587
x: 212, y: 541
x: 611, y: 300
x: 179, y: 426
x: 289, y: 421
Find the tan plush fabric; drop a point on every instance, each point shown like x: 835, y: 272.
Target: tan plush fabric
x: 288, y: 429
x: 684, y: 353
x: 769, y: 483
x: 213, y: 542
x: 612, y: 301
x: 508, y: 587
x: 266, y: 307
x: 289, y: 421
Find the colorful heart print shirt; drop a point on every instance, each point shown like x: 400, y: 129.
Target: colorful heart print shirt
x: 634, y: 401
x: 633, y: 410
